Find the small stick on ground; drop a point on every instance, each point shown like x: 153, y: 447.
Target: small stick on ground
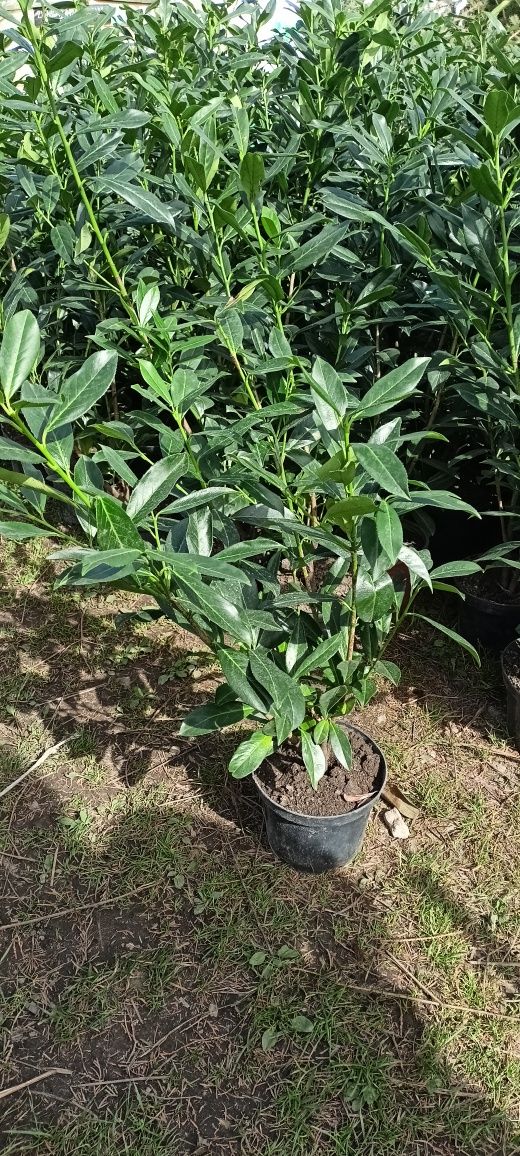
x: 34, y: 1080
x: 38, y: 763
x: 19, y: 924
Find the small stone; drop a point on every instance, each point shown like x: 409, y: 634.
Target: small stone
x: 213, y: 1010
x: 32, y: 1008
x: 396, y: 825
x: 381, y: 718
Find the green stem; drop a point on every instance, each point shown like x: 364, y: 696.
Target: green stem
x: 123, y: 295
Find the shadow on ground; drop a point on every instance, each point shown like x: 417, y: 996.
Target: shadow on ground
x: 201, y: 997
x: 198, y: 996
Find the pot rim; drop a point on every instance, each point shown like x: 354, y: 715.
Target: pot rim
x: 481, y: 603
x: 507, y: 677
x: 342, y: 816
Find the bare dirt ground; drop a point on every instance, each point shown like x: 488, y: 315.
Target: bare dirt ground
x: 179, y: 989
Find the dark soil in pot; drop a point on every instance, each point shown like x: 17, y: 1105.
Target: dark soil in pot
x: 511, y: 676
x: 316, y: 831
x: 287, y: 783
x: 490, y: 614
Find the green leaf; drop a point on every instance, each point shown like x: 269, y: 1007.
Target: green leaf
x: 114, y: 528
x: 497, y: 110
x: 154, y: 487
x: 484, y: 183
x: 250, y: 755
x: 315, y: 250
x: 455, y: 569
x: 142, y: 200
x: 5, y: 225
x: 384, y: 467
x: 213, y: 716
x: 389, y: 531
x: 199, y: 498
x: 297, y: 645
x: 314, y: 759
x: 252, y: 175
x: 450, y: 634
x: 374, y: 598
x: 13, y: 452
x: 218, y: 609
x: 393, y: 387
x: 329, y: 393
x: 320, y: 733
x: 18, y: 352
x: 154, y: 380
x: 235, y: 668
x: 320, y: 655
x: 288, y: 703
x: 302, y: 1024
x: 413, y: 561
x: 388, y: 670
x: 80, y: 392
x: 341, y: 513
x: 270, y: 1038
x: 230, y: 329
x: 65, y: 54
x: 341, y: 745
x: 21, y: 531
x: 440, y: 499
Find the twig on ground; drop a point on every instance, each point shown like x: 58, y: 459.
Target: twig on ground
x: 63, y: 911
x: 38, y: 763
x: 34, y: 1080
x: 386, y: 993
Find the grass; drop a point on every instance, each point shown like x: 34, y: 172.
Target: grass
x: 203, y: 997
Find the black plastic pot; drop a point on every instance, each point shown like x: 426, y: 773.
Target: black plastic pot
x: 314, y: 843
x: 493, y: 624
x: 513, y: 697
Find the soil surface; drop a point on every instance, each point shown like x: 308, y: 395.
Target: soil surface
x: 511, y: 663
x: 489, y: 585
x: 286, y: 781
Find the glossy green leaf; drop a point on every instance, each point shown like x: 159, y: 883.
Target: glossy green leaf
x: 114, y: 528
x: 235, y: 668
x: 21, y: 531
x: 144, y: 201
x: 384, y: 467
x: 287, y: 699
x: 79, y: 393
x: 342, y: 513
x: 313, y: 252
x: 413, y: 561
x: 388, y: 670
x: 314, y: 759
x: 250, y: 755
x: 389, y: 531
x: 450, y: 634
x: 341, y: 745
x: 212, y: 716
x: 455, y: 569
x: 154, y: 487
x: 18, y: 352
x: 252, y: 175
x: 393, y: 387
x: 320, y: 655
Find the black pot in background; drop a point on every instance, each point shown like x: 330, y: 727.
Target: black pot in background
x: 492, y: 624
x: 513, y: 697
x: 458, y: 535
x: 315, y: 843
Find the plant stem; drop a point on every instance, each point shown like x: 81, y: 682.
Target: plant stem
x: 30, y: 32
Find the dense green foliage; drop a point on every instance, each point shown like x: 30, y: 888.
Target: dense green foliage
x: 241, y: 257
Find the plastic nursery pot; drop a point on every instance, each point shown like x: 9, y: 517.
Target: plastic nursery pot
x: 510, y: 664
x: 493, y: 624
x: 315, y: 843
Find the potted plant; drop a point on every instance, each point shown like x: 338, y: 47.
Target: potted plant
x: 299, y: 610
